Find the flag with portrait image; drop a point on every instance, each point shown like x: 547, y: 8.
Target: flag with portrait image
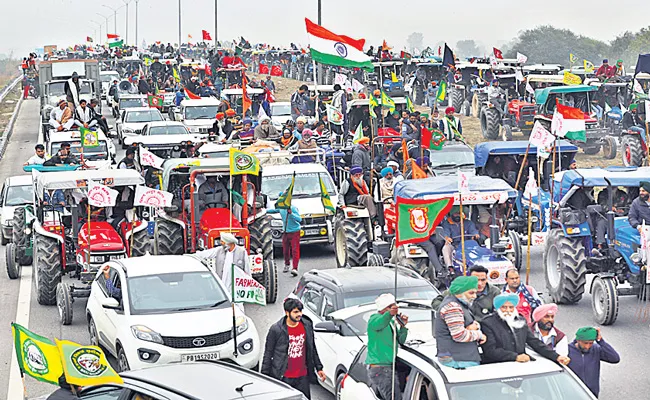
x: 37, y: 356
x: 85, y: 365
x: 89, y: 138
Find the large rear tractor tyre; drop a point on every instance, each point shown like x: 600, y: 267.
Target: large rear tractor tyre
x: 565, y: 267
x: 350, y: 242
x: 418, y: 265
x: 168, y: 238
x: 13, y: 268
x: 64, y: 303
x: 457, y: 97
x: 490, y: 123
x: 271, y: 281
x: 19, y: 237
x: 632, y: 151
x: 141, y: 243
x: 48, y: 269
x: 604, y: 300
x: 517, y: 251
x: 262, y: 239
x: 609, y: 148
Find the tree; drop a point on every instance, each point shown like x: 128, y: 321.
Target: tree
x: 415, y: 42
x: 466, y: 48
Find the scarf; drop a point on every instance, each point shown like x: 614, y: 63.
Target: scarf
x: 522, y: 289
x: 453, y: 132
x: 286, y: 141
x: 74, y: 90
x: 387, y: 187
x: 363, y: 189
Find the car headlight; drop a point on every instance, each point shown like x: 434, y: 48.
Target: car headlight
x: 143, y: 333
x: 276, y: 223
x: 241, y: 323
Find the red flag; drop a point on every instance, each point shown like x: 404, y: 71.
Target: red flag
x: 276, y: 70
x: 89, y: 39
x: 264, y: 69
x: 426, y: 137
x: 191, y: 95
x: 206, y: 35
x: 497, y: 53
x: 246, y: 101
x: 208, y: 70
x: 112, y: 36
x: 439, y: 50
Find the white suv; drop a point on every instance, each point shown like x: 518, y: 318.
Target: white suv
x: 16, y: 192
x: 157, y: 310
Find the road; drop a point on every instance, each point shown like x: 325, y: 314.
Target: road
x: 629, y: 335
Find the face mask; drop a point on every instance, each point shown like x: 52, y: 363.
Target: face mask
x: 455, y: 218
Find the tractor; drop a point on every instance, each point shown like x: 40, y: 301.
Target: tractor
x: 470, y: 79
x: 518, y: 116
x: 620, y: 265
x: 60, y: 239
x: 191, y: 225
x: 425, y: 73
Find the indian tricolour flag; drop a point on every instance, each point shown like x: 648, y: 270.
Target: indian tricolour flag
x: 329, y: 48
x: 114, y: 40
x: 569, y: 122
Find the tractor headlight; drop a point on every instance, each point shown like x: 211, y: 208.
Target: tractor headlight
x: 143, y: 333
x: 241, y: 323
x: 636, y: 258
x: 28, y: 231
x: 573, y: 231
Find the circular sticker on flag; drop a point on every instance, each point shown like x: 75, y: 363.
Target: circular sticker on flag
x: 34, y: 358
x: 87, y: 361
x: 341, y: 49
x: 243, y: 161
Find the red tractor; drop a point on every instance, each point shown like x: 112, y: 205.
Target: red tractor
x: 192, y: 224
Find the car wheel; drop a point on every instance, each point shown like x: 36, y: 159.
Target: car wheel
x: 122, y: 361
x: 92, y: 332
x: 339, y: 386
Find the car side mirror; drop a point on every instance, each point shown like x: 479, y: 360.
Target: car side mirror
x: 110, y: 303
x: 327, y: 327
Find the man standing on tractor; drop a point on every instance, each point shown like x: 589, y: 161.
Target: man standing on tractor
x: 354, y: 192
x: 497, y: 95
x: 452, y: 234
x: 529, y: 300
x: 411, y: 127
x: 451, y: 126
x: 291, y: 220
x: 361, y: 156
x: 640, y: 209
x: 432, y: 95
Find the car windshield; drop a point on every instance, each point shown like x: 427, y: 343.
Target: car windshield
x: 179, y: 291
x: 99, y: 152
x: 359, y: 323
x: 130, y: 103
x: 56, y: 88
x: 19, y: 195
x: 550, y: 386
x: 201, y: 112
x: 452, y: 158
x: 167, y: 130
x: 143, y: 116
x: 411, y: 293
x: 109, y: 77
x: 280, y: 109
x: 306, y: 185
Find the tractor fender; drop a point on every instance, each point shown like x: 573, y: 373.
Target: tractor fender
x: 354, y: 212
x: 583, y: 230
x: 139, y: 227
x: 176, y: 221
x: 603, y: 275
x: 41, y: 231
x: 253, y: 218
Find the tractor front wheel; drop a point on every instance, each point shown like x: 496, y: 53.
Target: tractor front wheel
x: 19, y: 237
x: 604, y: 300
x: 632, y: 151
x: 609, y: 148
x: 13, y: 267
x: 457, y: 99
x: 64, y: 303
x: 565, y: 267
x: 476, y: 106
x: 351, y: 242
x: 271, y: 281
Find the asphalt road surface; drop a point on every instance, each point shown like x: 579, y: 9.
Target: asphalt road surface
x: 629, y: 336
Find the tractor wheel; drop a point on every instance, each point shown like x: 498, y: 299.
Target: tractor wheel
x: 565, y: 267
x: 168, y: 238
x: 609, y: 148
x: 141, y: 243
x: 13, y: 267
x: 604, y: 300
x: 270, y: 281
x: 507, y: 133
x: 516, y: 246
x: 351, y: 242
x: 19, y: 237
x: 48, y: 268
x: 3, y: 240
x: 375, y: 260
x: 457, y: 99
x: 632, y: 151
x: 418, y: 265
x: 64, y: 303
x: 591, y: 149
x: 262, y: 236
x: 476, y: 106
x: 490, y: 123
x: 467, y: 108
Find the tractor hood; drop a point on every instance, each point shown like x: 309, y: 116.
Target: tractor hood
x: 627, y: 241
x: 306, y: 205
x: 218, y: 218
x: 103, y: 238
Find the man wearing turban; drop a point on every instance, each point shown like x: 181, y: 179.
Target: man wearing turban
x: 226, y: 257
x: 545, y: 330
x: 508, y: 334
x: 586, y: 352
x: 640, y: 208
x: 355, y: 192
x: 456, y: 331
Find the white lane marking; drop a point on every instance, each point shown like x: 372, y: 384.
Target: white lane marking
x: 16, y: 390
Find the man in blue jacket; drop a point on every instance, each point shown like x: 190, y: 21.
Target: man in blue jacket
x: 586, y: 352
x: 291, y: 220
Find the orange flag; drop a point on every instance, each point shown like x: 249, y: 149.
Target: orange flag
x: 246, y: 101
x: 405, y: 154
x: 418, y: 173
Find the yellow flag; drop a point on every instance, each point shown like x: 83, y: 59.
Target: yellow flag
x: 572, y: 58
x: 85, y: 365
x: 393, y: 77
x: 589, y: 66
x: 37, y: 356
x: 243, y: 163
x: 177, y: 78
x: 571, y: 79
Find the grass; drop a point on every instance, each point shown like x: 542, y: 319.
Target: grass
x: 7, y: 107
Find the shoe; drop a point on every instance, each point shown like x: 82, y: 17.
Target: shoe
x: 294, y: 272
x: 286, y: 269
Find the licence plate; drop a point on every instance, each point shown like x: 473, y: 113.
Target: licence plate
x: 201, y: 356
x: 312, y: 232
x: 529, y: 122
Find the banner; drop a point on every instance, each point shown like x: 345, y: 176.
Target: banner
x: 340, y: 79
x: 88, y: 138
x: 37, y: 356
x: 85, y: 365
x: 243, y: 163
x: 150, y: 159
x: 100, y: 195
x: 540, y: 137
x: 145, y: 196
x: 246, y: 289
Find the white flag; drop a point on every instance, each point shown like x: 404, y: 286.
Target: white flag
x: 531, y: 185
x: 150, y: 159
x: 358, y: 134
x: 529, y: 88
x: 637, y: 87
x: 521, y: 58
x: 519, y: 76
x: 100, y: 195
x: 261, y: 114
x: 556, y: 124
x: 463, y: 183
x: 247, y: 289
x: 493, y: 61
x: 356, y: 85
x: 334, y: 116
x: 149, y: 197
x: 340, y: 79
x: 540, y: 137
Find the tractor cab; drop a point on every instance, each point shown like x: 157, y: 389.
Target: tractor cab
x: 388, y: 76
x: 592, y: 234
x: 425, y: 73
x: 469, y: 86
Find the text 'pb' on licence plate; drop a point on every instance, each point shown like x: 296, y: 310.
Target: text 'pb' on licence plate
x: 199, y: 357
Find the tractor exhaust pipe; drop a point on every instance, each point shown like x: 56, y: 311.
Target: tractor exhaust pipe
x: 494, y: 228
x: 611, y: 233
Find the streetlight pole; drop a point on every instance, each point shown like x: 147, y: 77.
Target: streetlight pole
x: 100, y: 30
x: 105, y: 18
x: 126, y: 4
x: 136, y: 22
x: 114, y: 16
x: 320, y: 66
x: 216, y: 24
x: 179, y: 24
x: 319, y: 12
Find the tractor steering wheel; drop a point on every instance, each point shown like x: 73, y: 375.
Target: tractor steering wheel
x: 215, y: 204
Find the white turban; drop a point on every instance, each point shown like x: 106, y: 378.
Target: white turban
x: 228, y: 238
x: 384, y: 301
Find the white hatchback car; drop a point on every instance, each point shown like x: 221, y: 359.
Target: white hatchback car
x: 156, y: 310
x: 16, y: 192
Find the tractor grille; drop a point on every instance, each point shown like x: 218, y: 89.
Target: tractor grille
x: 186, y: 342
x: 314, y: 220
x: 527, y: 111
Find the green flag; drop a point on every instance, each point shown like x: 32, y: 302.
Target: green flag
x: 284, y: 201
x: 417, y: 219
x: 325, y: 196
x: 358, y: 134
x: 442, y: 90
x: 372, y: 103
x: 409, y: 104
x: 85, y: 365
x: 88, y: 138
x: 37, y: 356
x: 387, y: 101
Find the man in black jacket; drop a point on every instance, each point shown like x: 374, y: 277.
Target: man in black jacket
x: 508, y: 334
x: 640, y: 209
x: 290, y: 353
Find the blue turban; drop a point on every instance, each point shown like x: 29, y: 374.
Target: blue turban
x: 355, y: 169
x: 422, y: 161
x: 386, y: 171
x: 247, y: 121
x: 504, y: 298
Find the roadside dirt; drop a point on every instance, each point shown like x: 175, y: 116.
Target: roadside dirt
x: 7, y: 107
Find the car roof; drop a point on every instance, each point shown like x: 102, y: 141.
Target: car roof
x: 207, y: 101
x: 79, y: 178
x: 447, y: 186
x: 153, y: 124
x: 590, y: 177
x: 365, y: 278
x: 277, y: 170
x: 202, y: 380
x: 20, y: 180
x: 133, y: 96
x: 153, y: 265
x: 516, y: 147
x: 139, y: 109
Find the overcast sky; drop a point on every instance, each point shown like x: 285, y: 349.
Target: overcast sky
x: 34, y: 23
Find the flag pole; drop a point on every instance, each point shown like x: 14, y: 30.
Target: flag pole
x: 234, y: 317
x: 315, y: 87
x: 132, y: 228
x: 550, y: 211
x: 462, y: 231
x: 88, y: 205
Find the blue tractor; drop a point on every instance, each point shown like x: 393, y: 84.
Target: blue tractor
x: 498, y: 250
x: 503, y: 160
x: 572, y: 250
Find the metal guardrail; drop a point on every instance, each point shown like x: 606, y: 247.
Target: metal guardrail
x: 4, y: 140
x: 9, y: 88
